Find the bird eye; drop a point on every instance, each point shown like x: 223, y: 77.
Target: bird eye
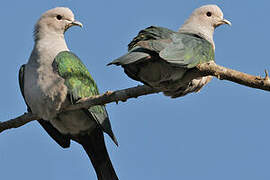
x: 59, y: 17
x: 208, y: 14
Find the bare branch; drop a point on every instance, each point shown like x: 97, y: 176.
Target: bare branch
x: 235, y: 76
x: 112, y: 96
x: 17, y: 122
x: 108, y: 97
x: 205, y: 69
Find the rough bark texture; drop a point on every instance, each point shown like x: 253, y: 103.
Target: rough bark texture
x: 205, y: 69
x: 235, y: 76
x: 108, y: 97
x: 113, y: 96
x: 17, y: 122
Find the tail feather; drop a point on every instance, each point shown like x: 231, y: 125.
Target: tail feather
x: 95, y: 148
x: 134, y: 55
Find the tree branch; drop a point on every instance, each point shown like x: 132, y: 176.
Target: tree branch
x: 221, y: 73
x: 205, y: 69
x: 108, y: 97
x: 112, y: 96
x: 17, y: 122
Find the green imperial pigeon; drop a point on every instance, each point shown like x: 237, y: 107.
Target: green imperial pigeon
x: 166, y: 60
x: 54, y: 78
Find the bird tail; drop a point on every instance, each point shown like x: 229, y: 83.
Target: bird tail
x: 95, y: 148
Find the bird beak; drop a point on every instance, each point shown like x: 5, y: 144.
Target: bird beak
x: 76, y: 23
x: 225, y: 21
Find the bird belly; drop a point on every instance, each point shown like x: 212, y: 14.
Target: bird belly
x: 161, y: 75
x: 74, y: 122
x: 46, y: 94
x: 194, y: 85
x: 45, y: 91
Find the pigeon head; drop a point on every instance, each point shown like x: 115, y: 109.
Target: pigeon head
x: 204, y: 20
x: 55, y: 21
x: 210, y: 15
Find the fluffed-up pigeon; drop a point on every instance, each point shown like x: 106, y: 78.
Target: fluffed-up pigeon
x: 166, y: 60
x: 54, y: 78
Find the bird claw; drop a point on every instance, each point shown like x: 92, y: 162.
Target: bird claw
x: 108, y: 93
x: 266, y: 75
x: 258, y: 78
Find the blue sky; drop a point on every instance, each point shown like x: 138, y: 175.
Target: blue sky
x: 220, y: 133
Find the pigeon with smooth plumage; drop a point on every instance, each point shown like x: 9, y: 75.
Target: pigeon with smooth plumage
x: 166, y: 60
x: 54, y: 78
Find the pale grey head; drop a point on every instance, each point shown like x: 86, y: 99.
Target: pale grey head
x: 204, y: 20
x: 55, y: 21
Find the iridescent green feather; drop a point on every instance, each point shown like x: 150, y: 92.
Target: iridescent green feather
x: 181, y: 49
x: 78, y: 80
x: 80, y: 84
x: 151, y: 33
x: 188, y: 50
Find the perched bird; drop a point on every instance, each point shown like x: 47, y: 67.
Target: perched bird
x: 54, y: 78
x: 166, y: 60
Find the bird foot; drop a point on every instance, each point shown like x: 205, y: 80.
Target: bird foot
x: 108, y: 93
x: 266, y: 75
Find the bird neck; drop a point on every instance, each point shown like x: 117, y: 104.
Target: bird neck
x: 199, y: 29
x: 47, y: 47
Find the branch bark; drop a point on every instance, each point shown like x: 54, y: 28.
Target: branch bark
x: 18, y: 122
x: 221, y: 73
x: 205, y: 69
x: 108, y: 97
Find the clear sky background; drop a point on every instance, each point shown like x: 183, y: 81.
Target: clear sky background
x: 220, y: 133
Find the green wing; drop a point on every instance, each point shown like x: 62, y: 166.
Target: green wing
x: 154, y: 38
x: 148, y: 42
x: 180, y: 49
x: 188, y: 50
x: 80, y: 84
x: 78, y: 80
